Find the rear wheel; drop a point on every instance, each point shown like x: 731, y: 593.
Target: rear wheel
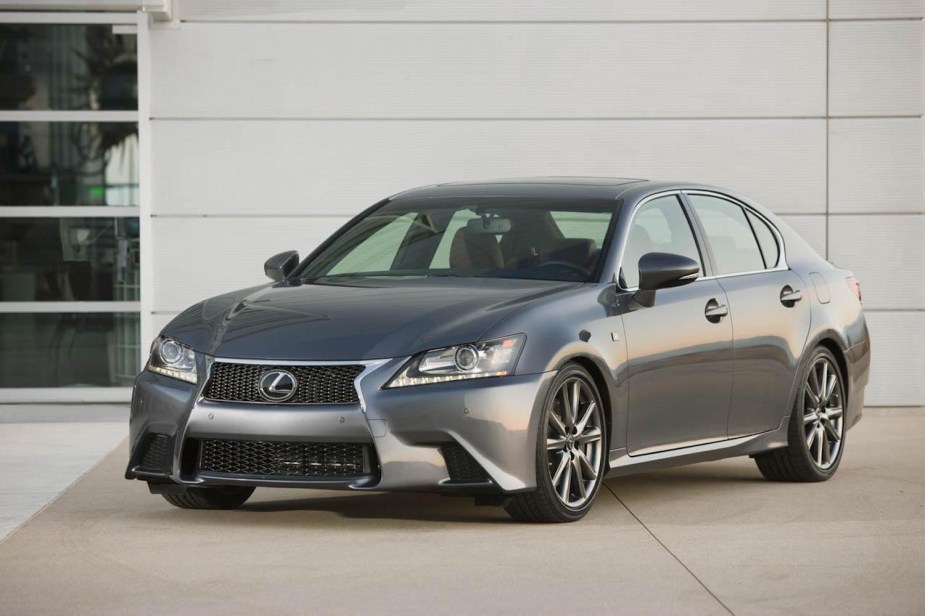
x: 570, y: 452
x: 222, y: 497
x: 816, y: 433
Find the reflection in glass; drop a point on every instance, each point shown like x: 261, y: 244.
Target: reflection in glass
x: 69, y: 259
x: 68, y: 163
x: 67, y: 350
x: 67, y: 67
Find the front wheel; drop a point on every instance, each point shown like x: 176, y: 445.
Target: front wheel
x: 816, y: 433
x: 570, y: 452
x: 223, y: 497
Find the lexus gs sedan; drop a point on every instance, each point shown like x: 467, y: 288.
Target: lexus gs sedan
x: 517, y: 341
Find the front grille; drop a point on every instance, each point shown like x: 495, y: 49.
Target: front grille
x: 154, y: 458
x: 285, y: 459
x: 461, y: 465
x: 230, y: 382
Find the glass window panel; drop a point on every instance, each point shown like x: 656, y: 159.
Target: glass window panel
x: 67, y: 67
x: 68, y: 163
x: 69, y: 259
x: 658, y: 226
x: 766, y: 240
x: 377, y: 252
x: 459, y: 220
x: 583, y: 225
x: 68, y: 350
x: 431, y: 237
x: 729, y: 235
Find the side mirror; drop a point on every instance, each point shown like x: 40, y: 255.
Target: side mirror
x: 663, y: 270
x: 279, y: 266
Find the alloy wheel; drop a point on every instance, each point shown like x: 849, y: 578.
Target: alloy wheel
x: 575, y: 442
x: 823, y: 413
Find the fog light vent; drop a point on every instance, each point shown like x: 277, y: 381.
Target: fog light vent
x: 461, y: 465
x: 155, y: 458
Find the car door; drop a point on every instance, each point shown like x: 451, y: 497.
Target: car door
x: 679, y: 350
x: 769, y: 308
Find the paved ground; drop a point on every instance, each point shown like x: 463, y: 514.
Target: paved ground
x: 707, y: 539
x: 44, y: 449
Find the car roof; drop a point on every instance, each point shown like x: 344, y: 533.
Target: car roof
x: 577, y: 187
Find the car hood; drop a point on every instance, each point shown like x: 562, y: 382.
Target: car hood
x: 362, y: 320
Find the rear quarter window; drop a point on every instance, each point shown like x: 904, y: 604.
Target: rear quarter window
x: 767, y: 241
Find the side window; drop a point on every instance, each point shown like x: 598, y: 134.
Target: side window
x: 729, y: 234
x: 379, y: 251
x: 583, y: 225
x: 766, y: 241
x: 658, y: 226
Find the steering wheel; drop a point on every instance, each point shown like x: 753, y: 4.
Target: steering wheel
x: 567, y: 265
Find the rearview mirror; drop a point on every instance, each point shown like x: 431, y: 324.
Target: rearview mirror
x: 489, y: 226
x: 279, y: 266
x: 663, y: 270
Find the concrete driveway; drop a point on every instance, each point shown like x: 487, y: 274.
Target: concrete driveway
x: 706, y: 539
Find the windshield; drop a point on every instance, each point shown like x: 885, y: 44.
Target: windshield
x: 479, y: 237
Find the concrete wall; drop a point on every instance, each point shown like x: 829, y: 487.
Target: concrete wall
x: 272, y: 122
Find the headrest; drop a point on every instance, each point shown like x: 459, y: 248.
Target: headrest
x: 475, y: 251
x: 577, y: 251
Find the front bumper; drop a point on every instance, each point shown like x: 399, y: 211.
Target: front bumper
x: 494, y: 420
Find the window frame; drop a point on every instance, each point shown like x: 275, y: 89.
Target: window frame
x: 746, y: 209
x: 135, y: 23
x: 706, y: 271
x: 604, y: 205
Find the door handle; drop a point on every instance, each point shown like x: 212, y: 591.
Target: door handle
x: 714, y: 311
x: 790, y: 296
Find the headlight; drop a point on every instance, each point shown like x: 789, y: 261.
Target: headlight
x: 173, y: 359
x: 457, y: 363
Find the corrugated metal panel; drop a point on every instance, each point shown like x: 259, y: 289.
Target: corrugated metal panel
x: 898, y: 362
x: 876, y: 165
x: 853, y: 9
x: 297, y: 167
x: 202, y: 257
x: 811, y: 229
x: 875, y: 68
x: 495, y: 70
x: 886, y: 253
x: 159, y: 320
x: 492, y: 10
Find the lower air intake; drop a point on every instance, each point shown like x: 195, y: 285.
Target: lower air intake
x: 461, y: 465
x: 155, y: 458
x: 285, y: 459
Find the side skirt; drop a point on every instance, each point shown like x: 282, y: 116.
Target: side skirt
x: 621, y: 463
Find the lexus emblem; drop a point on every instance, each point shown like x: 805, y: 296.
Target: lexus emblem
x: 277, y: 385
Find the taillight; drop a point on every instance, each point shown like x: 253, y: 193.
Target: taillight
x: 855, y: 286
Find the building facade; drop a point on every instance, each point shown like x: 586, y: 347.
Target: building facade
x: 256, y: 127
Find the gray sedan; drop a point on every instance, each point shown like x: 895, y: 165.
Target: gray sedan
x: 514, y: 340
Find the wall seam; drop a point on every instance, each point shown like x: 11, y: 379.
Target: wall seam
x: 828, y: 46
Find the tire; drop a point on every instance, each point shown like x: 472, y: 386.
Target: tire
x: 224, y: 497
x: 813, y: 452
x: 572, y: 443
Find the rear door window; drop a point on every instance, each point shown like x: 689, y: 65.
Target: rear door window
x: 729, y: 233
